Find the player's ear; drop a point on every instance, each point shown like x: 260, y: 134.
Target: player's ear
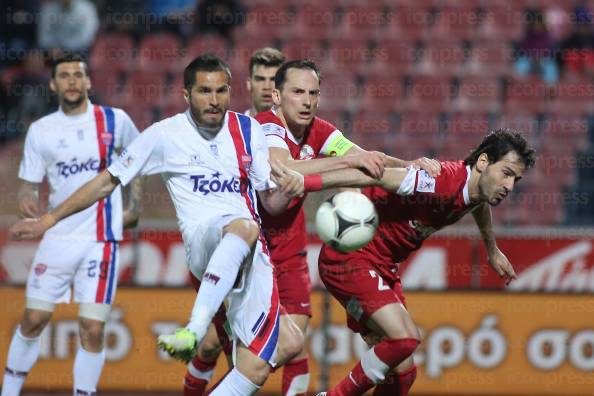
x: 482, y: 162
x: 248, y: 84
x: 52, y: 85
x: 187, y: 96
x: 276, y: 97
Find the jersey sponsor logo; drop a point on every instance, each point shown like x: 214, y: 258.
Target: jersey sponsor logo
x: 74, y: 167
x: 307, y: 152
x: 214, y: 183
x: 425, y: 183
x: 40, y: 269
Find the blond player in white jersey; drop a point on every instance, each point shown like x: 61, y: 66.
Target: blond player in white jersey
x: 70, y: 147
x: 215, y: 165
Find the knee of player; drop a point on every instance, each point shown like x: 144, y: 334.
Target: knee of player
x: 91, y: 332
x: 246, y: 229
x: 34, y: 322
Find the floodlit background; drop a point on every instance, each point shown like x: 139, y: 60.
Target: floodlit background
x: 411, y: 78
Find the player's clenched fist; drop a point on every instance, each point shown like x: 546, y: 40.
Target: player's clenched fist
x: 31, y: 228
x: 289, y: 181
x: 373, y: 162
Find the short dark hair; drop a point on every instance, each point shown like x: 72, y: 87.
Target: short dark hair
x: 204, y: 63
x: 268, y: 57
x: 500, y: 142
x: 67, y: 59
x: 302, y: 64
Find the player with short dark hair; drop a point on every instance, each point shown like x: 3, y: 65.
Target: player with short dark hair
x: 411, y: 206
x: 264, y: 63
x: 69, y: 147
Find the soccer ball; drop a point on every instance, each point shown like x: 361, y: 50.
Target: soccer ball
x: 347, y: 221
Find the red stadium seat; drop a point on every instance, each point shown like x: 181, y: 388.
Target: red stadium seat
x: 441, y: 58
x: 266, y: 21
x: 525, y: 123
x: 347, y: 55
x: 144, y: 88
x: 460, y: 22
x: 393, y: 57
x: 573, y: 97
x: 112, y: 52
x: 373, y: 130
x: 526, y: 96
x: 420, y: 126
x: 408, y: 22
x: 565, y: 132
x: 362, y: 21
x: 107, y: 85
x: 315, y: 21
x: 160, y: 52
x: 470, y: 126
x: 201, y: 44
x: 503, y: 22
x: 430, y: 94
x: 490, y: 58
x: 478, y: 94
x: 383, y: 94
x: 338, y: 92
x: 303, y: 49
x: 142, y: 115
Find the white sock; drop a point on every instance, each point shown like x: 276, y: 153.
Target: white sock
x: 235, y: 384
x: 217, y: 281
x: 87, y: 370
x: 22, y: 355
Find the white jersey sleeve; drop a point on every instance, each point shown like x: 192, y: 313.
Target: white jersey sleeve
x: 32, y: 168
x: 126, y: 131
x: 260, y: 170
x: 144, y: 156
x: 275, y: 135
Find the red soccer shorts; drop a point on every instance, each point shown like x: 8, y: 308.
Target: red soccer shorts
x: 294, y: 285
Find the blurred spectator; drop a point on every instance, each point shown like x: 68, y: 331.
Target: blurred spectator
x: 128, y: 17
x: 67, y: 25
x: 173, y: 15
x: 577, y: 52
x: 29, y: 88
x: 220, y: 16
x: 534, y: 53
x: 17, y: 29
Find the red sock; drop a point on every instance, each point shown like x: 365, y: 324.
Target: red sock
x: 376, y: 362
x: 396, y: 384
x: 296, y: 377
x: 197, y: 377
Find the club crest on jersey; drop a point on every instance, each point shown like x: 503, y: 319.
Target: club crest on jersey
x: 81, y: 134
x: 40, y: 269
x: 214, y: 149
x: 106, y: 138
x: 307, y: 152
x: 246, y: 162
x: 62, y: 144
x: 195, y: 159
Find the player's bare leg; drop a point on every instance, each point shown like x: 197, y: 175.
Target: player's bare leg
x: 24, y: 348
x: 90, y: 357
x: 251, y: 371
x: 401, y: 338
x: 296, y: 371
x: 399, y: 380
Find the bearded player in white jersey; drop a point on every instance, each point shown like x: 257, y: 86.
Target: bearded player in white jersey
x: 215, y: 165
x: 70, y: 147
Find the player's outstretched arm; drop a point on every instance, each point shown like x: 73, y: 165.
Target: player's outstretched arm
x: 28, y: 199
x: 134, y: 206
x: 100, y: 187
x: 391, y: 180
x: 497, y: 260
x: 289, y: 185
x: 372, y: 161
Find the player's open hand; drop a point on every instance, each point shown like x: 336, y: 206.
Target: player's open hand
x: 374, y: 162
x: 502, y: 266
x: 28, y: 209
x: 288, y: 181
x: 429, y: 165
x: 31, y: 228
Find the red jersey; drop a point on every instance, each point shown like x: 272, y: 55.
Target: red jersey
x: 421, y: 206
x: 286, y: 232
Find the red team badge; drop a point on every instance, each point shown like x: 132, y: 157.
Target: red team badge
x: 246, y: 162
x: 40, y: 269
x: 106, y: 138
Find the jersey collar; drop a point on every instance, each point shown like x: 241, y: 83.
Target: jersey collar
x: 292, y: 137
x: 465, y: 189
x: 76, y: 117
